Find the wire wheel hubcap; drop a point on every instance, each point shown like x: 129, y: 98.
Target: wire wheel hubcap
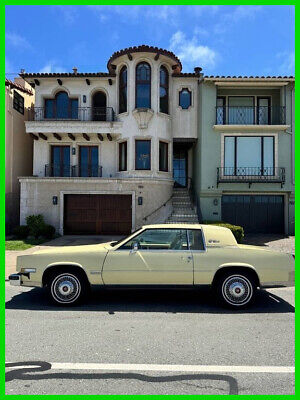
x: 237, y: 290
x: 65, y: 288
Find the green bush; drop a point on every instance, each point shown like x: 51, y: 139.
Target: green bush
x: 21, y: 232
x: 35, y: 224
x: 238, y: 231
x: 48, y: 231
x: 37, y: 227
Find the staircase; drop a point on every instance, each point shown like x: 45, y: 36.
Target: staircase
x: 183, y: 209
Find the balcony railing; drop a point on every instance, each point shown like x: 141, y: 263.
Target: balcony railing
x: 73, y: 114
x: 73, y: 171
x: 258, y: 115
x: 251, y: 175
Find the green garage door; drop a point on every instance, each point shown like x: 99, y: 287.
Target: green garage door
x: 256, y: 213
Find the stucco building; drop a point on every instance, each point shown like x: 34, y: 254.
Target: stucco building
x: 245, y: 175
x: 19, y: 97
x: 109, y: 147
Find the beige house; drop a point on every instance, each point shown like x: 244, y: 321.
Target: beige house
x: 19, y: 98
x: 105, y: 143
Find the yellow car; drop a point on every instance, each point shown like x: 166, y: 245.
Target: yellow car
x: 163, y: 256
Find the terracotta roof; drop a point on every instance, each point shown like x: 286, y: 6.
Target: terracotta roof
x: 65, y: 74
x: 144, y: 49
x: 186, y: 75
x: 223, y: 77
x: 14, y: 85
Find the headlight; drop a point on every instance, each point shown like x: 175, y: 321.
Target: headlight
x: 28, y: 270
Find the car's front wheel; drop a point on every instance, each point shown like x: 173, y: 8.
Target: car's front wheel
x: 236, y: 290
x: 67, y: 288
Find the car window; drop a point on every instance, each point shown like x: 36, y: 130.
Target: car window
x: 159, y: 239
x: 196, y: 239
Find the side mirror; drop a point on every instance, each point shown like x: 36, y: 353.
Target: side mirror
x: 135, y: 247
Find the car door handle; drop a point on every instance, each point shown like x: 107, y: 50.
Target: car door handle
x: 188, y: 258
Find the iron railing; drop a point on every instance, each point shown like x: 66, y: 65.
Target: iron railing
x: 251, y: 175
x: 258, y: 115
x: 73, y: 171
x: 73, y: 114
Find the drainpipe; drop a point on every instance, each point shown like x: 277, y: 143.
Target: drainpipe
x: 292, y: 138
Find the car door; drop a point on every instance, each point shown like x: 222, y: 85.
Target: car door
x: 203, y: 259
x: 162, y: 257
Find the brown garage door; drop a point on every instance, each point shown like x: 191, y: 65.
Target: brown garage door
x: 97, y: 214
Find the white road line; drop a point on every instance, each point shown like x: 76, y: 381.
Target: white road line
x: 175, y: 368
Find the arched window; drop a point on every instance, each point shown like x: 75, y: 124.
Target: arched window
x: 143, y: 85
x: 123, y: 90
x: 163, y: 90
x: 61, y: 107
x: 100, y: 112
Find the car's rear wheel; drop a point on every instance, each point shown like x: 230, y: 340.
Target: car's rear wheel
x: 236, y: 289
x: 67, y: 288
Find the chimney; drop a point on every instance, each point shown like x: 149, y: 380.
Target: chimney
x: 197, y: 70
x: 22, y: 71
x: 75, y: 70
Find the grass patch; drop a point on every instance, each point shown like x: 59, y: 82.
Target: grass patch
x: 23, y: 244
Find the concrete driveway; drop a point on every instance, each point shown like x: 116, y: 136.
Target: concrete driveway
x: 276, y: 242
x: 67, y: 240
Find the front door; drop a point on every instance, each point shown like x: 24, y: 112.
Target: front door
x: 162, y: 258
x: 180, y: 157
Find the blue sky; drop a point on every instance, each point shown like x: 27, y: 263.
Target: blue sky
x: 224, y: 40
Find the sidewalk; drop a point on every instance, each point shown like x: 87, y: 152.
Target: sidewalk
x: 11, y: 255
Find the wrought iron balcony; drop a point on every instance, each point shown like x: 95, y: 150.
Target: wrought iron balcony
x: 258, y: 115
x: 72, y: 114
x: 73, y: 171
x: 250, y: 175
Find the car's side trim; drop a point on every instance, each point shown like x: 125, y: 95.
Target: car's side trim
x: 153, y: 286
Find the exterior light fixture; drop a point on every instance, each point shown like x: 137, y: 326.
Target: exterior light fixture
x: 54, y: 200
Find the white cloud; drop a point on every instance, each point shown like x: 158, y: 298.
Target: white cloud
x: 69, y: 13
x: 52, y: 66
x: 198, y: 11
x: 198, y: 31
x: 238, y: 14
x: 242, y: 12
x: 287, y: 63
x: 16, y: 40
x: 168, y: 14
x: 192, y: 53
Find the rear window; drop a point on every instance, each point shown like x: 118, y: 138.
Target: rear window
x: 196, y: 239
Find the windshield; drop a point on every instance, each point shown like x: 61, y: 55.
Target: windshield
x: 114, y: 243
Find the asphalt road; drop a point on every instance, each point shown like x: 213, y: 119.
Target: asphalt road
x: 163, y: 343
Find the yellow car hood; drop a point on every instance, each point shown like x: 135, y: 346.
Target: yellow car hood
x: 76, y: 249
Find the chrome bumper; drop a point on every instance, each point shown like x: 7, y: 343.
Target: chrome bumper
x: 15, y: 279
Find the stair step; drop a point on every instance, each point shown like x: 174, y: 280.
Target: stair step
x: 183, y: 215
x: 181, y: 196
x: 182, y: 221
x: 183, y: 210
